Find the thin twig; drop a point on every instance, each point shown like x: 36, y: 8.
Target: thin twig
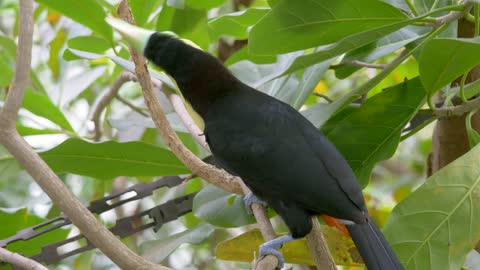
x: 22, y: 67
x: 106, y: 99
x: 357, y: 63
x: 61, y: 196
x: 20, y: 261
x: 131, y: 105
x: 458, y: 110
x: 453, y: 15
x: 329, y: 100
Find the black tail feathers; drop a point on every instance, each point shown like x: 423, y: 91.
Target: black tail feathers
x: 373, y: 247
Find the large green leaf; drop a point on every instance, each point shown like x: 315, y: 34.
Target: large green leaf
x: 87, y: 12
x: 220, y: 208
x: 111, y: 159
x: 439, y: 223
x: 236, y: 24
x: 443, y: 60
x: 373, y: 131
x: 41, y: 105
x: 297, y: 25
x: 16, y: 220
x: 243, y: 248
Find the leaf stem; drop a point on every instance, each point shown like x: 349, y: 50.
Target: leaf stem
x: 462, y: 87
x: 418, y: 128
x: 412, y: 7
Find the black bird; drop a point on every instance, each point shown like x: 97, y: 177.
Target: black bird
x: 281, y: 156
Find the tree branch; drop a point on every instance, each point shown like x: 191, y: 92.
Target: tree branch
x: 318, y: 247
x: 454, y: 15
x: 61, y: 196
x: 22, y: 66
x: 131, y: 106
x: 20, y: 261
x: 106, y: 99
x: 459, y: 109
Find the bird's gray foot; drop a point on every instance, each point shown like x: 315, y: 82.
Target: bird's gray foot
x: 271, y: 247
x: 251, y: 198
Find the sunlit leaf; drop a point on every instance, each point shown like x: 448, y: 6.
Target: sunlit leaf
x: 87, y: 12
x: 111, y: 159
x: 297, y: 25
x: 439, y: 223
x: 443, y: 60
x: 243, y: 247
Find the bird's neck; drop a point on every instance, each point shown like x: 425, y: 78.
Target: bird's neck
x: 200, y: 76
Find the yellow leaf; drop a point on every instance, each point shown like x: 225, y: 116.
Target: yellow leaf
x: 243, y: 247
x: 321, y: 87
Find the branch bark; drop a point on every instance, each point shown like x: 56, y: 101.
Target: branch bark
x: 106, y: 99
x: 20, y: 261
x: 95, y: 232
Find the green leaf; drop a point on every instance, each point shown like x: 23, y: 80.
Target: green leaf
x: 346, y: 44
x: 111, y: 159
x: 206, y: 4
x: 7, y: 73
x: 311, y: 77
x: 157, y: 250
x: 220, y: 208
x: 443, y: 60
x: 87, y: 12
x: 374, y: 129
x: 8, y: 165
x: 8, y: 46
x: 54, y: 58
x: 87, y: 44
x: 142, y: 9
x: 189, y: 23
x: 41, y: 105
x: 236, y: 24
x: 438, y: 224
x: 243, y: 54
x: 376, y: 50
x: 29, y: 131
x: 297, y: 25
x: 342, y: 248
x: 16, y: 220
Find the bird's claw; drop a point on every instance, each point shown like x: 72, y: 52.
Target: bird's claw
x: 267, y: 250
x: 251, y: 198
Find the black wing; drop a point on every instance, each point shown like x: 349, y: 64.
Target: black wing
x: 280, y: 155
